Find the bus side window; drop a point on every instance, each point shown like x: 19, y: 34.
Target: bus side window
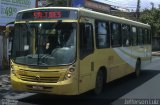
x: 140, y: 36
x: 126, y: 35
x: 134, y: 36
x: 102, y: 34
x: 116, y: 38
x: 149, y: 36
x: 86, y: 40
x: 145, y: 36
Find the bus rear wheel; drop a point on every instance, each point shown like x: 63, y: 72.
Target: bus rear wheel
x: 99, y: 82
x: 138, y: 68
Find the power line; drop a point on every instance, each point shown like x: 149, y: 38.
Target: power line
x: 106, y: 1
x: 114, y: 4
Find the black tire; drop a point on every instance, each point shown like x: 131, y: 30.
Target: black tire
x: 99, y: 82
x: 138, y: 68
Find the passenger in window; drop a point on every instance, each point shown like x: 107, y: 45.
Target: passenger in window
x: 127, y: 42
x: 51, y: 44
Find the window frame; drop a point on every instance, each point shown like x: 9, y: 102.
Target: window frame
x: 107, y: 35
x: 140, y: 36
x: 111, y: 35
x: 82, y: 52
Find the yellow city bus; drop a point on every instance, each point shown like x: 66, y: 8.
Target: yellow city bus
x: 69, y: 51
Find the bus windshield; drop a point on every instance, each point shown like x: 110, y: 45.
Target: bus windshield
x: 44, y: 44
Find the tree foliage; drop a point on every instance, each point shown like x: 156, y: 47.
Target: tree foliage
x: 152, y: 17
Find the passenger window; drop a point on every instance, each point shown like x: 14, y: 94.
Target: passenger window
x: 148, y: 36
x: 134, y: 36
x: 102, y: 34
x: 145, y: 36
x: 140, y: 36
x: 126, y: 35
x: 86, y: 40
x: 116, y: 39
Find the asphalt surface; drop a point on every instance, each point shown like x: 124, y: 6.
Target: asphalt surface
x: 116, y: 91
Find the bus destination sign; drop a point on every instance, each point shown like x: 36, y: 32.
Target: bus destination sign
x: 46, y: 14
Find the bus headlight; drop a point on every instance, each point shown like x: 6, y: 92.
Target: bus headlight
x: 12, y: 70
x: 69, y: 74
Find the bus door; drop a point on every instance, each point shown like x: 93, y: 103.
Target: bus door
x: 86, y: 56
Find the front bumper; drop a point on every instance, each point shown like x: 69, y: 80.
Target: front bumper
x: 66, y: 87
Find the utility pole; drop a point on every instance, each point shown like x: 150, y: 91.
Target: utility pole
x: 67, y: 3
x: 152, y: 5
x: 138, y: 10
x: 4, y: 59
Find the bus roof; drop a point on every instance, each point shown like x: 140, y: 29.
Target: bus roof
x: 96, y: 15
x: 102, y: 16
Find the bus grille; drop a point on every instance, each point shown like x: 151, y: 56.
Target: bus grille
x: 39, y: 79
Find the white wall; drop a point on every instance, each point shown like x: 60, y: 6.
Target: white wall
x: 9, y: 9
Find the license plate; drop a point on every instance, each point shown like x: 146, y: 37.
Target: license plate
x: 38, y: 87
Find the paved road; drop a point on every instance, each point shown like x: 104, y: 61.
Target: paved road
x: 115, y: 91
x: 145, y: 87
x: 149, y: 89
x: 155, y: 64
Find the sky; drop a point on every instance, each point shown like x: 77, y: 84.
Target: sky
x: 131, y: 4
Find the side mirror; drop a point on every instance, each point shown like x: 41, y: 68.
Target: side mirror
x: 7, y: 31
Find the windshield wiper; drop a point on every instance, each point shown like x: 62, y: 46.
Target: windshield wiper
x: 38, y: 47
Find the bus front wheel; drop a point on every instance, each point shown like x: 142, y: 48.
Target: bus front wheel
x: 138, y: 68
x: 99, y: 83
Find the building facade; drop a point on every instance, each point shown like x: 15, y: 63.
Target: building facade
x: 8, y: 11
